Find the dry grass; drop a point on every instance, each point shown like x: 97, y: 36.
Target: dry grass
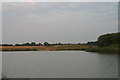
x: 45, y: 48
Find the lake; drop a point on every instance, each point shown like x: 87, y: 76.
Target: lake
x: 59, y: 64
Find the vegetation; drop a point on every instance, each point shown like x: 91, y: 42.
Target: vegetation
x: 4, y: 77
x: 46, y: 48
x: 29, y: 44
x: 110, y: 49
x: 39, y: 44
x: 108, y: 40
x: 105, y: 43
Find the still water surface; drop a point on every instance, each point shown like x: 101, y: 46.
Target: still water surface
x: 59, y: 64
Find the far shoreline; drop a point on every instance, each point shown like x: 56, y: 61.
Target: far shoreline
x: 46, y: 48
x: 88, y: 48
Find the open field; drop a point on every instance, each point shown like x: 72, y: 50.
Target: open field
x: 45, y: 48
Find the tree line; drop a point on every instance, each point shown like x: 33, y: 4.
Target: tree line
x: 39, y: 44
x: 107, y: 40
x: 102, y: 41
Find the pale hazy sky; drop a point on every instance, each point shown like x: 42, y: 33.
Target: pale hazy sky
x: 58, y: 21
x: 60, y: 0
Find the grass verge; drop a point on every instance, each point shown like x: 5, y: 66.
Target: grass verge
x: 110, y: 49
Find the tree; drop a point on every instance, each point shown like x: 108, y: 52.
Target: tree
x: 17, y: 45
x: 46, y: 44
x: 7, y: 44
x: 33, y: 44
x: 108, y: 39
x: 79, y: 44
x: 40, y: 44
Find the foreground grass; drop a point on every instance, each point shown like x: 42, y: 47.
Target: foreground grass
x: 110, y: 49
x: 4, y: 77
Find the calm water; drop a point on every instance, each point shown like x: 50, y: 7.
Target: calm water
x: 59, y: 64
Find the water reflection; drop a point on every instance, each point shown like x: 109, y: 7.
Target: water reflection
x: 59, y: 64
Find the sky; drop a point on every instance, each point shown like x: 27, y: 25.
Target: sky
x: 65, y: 22
x: 60, y: 0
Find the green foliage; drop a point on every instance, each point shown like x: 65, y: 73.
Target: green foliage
x: 29, y: 44
x: 92, y: 43
x: 110, y: 49
x: 46, y: 44
x: 6, y: 44
x: 108, y: 39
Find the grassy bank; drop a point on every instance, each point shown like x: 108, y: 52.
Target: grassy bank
x: 88, y: 48
x: 110, y: 49
x: 46, y: 48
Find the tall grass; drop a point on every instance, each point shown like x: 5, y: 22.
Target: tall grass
x: 4, y: 77
x: 110, y: 49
